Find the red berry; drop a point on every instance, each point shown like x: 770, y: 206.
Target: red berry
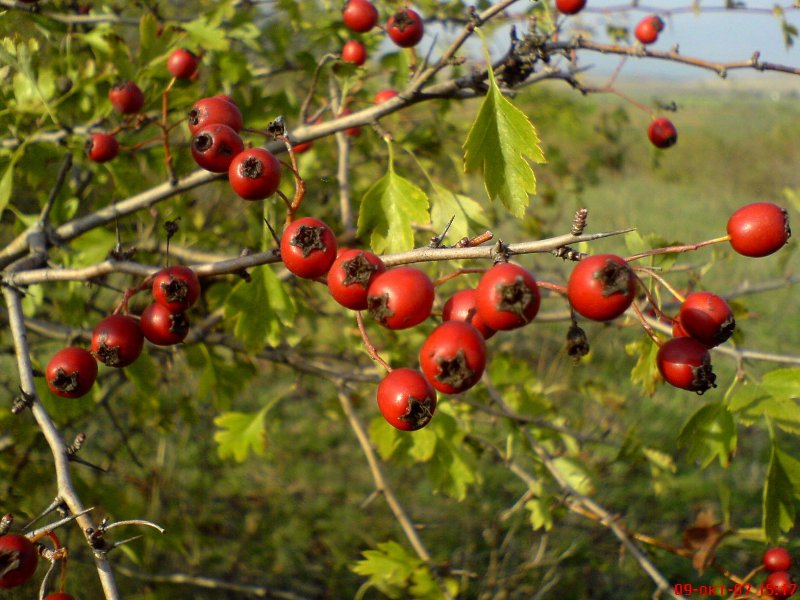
x: 302, y: 147
x: 662, y: 133
x: 759, y: 229
x: 405, y: 28
x: 101, y: 147
x: 176, y: 288
x: 677, y: 328
x: 354, y: 52
x: 59, y: 596
x: 507, y: 297
x: 308, y: 248
x: 779, y: 585
x: 162, y: 327
x: 182, y: 63
x: 71, y: 372
x: 570, y: 7
x: 406, y: 399
x: 117, y: 341
x: 255, y: 174
x: 384, y: 96
x: 777, y: 559
x: 400, y: 298
x: 601, y: 287
x: 18, y: 557
x: 215, y: 110
x: 707, y: 318
x: 215, y: 146
x: 462, y: 306
x: 685, y: 363
x: 126, y: 98
x: 453, y: 357
x: 360, y: 15
x: 350, y: 275
x: 647, y: 29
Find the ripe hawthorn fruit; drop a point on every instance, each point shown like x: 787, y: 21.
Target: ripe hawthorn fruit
x: 405, y: 28
x: 507, y: 297
x: 677, y: 328
x: 308, y: 248
x: 759, y: 229
x: 117, y: 341
x: 779, y: 585
x: 18, y: 560
x: 662, y: 133
x: 360, y: 15
x: 354, y: 52
x: 463, y: 306
x: 384, y: 96
x: 59, y: 596
x: 400, y: 298
x: 570, y: 7
x: 176, y: 288
x: 255, y: 174
x: 707, y: 318
x: 101, y: 147
x: 215, y: 146
x: 453, y: 357
x: 162, y: 327
x: 302, y: 147
x: 685, y: 363
x: 126, y: 98
x: 215, y: 110
x: 71, y: 372
x: 182, y: 63
x: 777, y: 559
x: 648, y: 28
x: 406, y: 400
x: 350, y: 275
x: 601, y: 287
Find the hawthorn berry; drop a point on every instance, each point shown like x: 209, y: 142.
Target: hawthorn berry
x: 601, y: 287
x: 354, y: 52
x: 182, y: 63
x: 360, y: 15
x: 215, y: 110
x: 677, y: 328
x: 453, y: 357
x: 462, y: 306
x: 685, y: 363
x: 662, y: 133
x: 405, y: 28
x: 406, y: 400
x: 126, y: 98
x: 255, y: 174
x: 507, y: 297
x: 177, y: 288
x: 302, y: 147
x: 59, y: 596
x: 570, y: 7
x: 18, y: 560
x: 780, y: 585
x: 101, y: 147
x: 308, y: 248
x: 707, y: 318
x: 384, y: 96
x: 350, y: 275
x: 71, y: 372
x: 400, y: 298
x: 163, y: 327
x: 759, y: 229
x: 117, y: 341
x: 215, y: 146
x: 777, y: 559
x: 647, y: 29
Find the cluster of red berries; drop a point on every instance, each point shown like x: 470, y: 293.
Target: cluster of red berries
x: 19, y: 558
x: 117, y: 340
x: 405, y: 28
x: 779, y: 584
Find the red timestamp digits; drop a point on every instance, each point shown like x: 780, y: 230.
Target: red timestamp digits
x: 737, y: 589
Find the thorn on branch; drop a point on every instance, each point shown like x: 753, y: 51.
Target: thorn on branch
x: 436, y: 241
x: 21, y: 402
x: 500, y: 253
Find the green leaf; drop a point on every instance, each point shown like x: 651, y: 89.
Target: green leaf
x: 452, y: 468
x: 708, y: 434
x: 388, y: 210
x: 575, y: 474
x: 239, y: 433
x: 775, y: 397
x: 645, y: 372
x: 499, y: 141
x: 541, y: 513
x: 388, y: 568
x: 780, y: 492
x: 469, y: 216
x: 6, y: 185
x: 206, y: 35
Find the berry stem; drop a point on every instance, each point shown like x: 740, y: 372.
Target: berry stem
x: 646, y: 326
x: 675, y: 293
x: 553, y: 287
x: 457, y: 273
x: 373, y: 353
x: 673, y: 249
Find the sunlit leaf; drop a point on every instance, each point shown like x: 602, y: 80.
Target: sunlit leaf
x: 240, y: 433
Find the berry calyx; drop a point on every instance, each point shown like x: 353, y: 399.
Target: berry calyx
x: 255, y: 174
x: 405, y: 28
x: 177, y: 288
x: 215, y: 110
x: 101, y: 147
x: 215, y: 146
x: 126, y: 98
x: 400, y: 298
x: 350, y: 276
x: 685, y: 363
x: 463, y: 306
x: 406, y: 400
x: 360, y: 15
x: 18, y: 560
x: 759, y: 229
x: 601, y: 287
x: 117, y: 341
x: 354, y: 52
x: 570, y: 7
x: 707, y: 318
x: 182, y: 63
x: 71, y: 372
x: 777, y: 559
x: 162, y: 327
x: 308, y: 248
x: 662, y: 133
x: 453, y: 357
x: 507, y: 297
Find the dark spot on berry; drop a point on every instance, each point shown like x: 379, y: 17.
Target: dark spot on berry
x: 358, y: 270
x: 309, y: 239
